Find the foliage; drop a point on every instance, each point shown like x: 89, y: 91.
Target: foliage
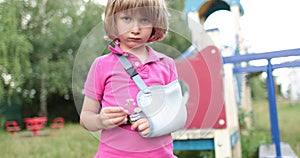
x: 195, y: 154
x: 259, y: 133
x: 257, y: 85
x: 288, y: 118
x: 248, y: 133
x: 38, y: 42
x: 2, y: 119
x: 176, y: 4
x: 56, y: 29
x: 15, y: 50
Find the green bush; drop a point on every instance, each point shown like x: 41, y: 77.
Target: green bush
x: 258, y: 87
x: 195, y: 154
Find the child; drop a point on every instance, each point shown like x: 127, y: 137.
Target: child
x: 131, y: 24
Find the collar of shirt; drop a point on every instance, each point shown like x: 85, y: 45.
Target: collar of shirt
x: 153, y: 55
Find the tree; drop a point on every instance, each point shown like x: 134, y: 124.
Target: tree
x: 15, y: 50
x: 38, y: 43
x: 55, y: 29
x: 257, y: 85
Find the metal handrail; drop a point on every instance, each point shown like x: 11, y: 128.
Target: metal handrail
x: 270, y: 81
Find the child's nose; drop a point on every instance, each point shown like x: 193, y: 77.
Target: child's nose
x: 136, y: 28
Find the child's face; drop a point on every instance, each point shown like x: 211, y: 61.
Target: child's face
x: 134, y: 29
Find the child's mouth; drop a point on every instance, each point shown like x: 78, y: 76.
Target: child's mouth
x: 134, y: 39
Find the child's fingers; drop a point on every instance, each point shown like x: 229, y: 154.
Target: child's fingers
x: 134, y: 125
x: 145, y: 132
x: 113, y: 122
x: 143, y: 126
x: 114, y: 110
x: 140, y: 124
x: 113, y: 116
x: 118, y: 120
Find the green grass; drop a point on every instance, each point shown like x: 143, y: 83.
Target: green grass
x: 71, y: 141
x: 289, y: 122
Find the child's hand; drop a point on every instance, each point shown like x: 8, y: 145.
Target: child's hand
x: 111, y: 117
x: 142, y: 125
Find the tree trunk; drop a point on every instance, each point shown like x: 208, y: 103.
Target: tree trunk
x: 43, y: 96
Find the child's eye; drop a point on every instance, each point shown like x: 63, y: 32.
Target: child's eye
x: 126, y: 19
x: 145, y: 21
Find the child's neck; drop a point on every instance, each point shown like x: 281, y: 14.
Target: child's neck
x: 141, y: 52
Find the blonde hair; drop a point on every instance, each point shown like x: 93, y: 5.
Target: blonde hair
x: 154, y: 9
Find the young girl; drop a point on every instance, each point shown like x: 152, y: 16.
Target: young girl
x: 131, y: 24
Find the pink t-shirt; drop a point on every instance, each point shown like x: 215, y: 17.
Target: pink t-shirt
x: 109, y: 83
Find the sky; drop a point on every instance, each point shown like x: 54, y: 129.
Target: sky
x: 272, y: 25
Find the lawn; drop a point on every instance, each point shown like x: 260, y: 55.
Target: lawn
x: 73, y: 141
x: 289, y: 122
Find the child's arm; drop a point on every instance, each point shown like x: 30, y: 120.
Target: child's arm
x: 108, y: 117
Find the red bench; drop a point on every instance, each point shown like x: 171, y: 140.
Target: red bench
x: 58, y: 123
x: 12, y: 127
x: 35, y: 124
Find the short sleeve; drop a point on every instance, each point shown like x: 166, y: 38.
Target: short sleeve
x: 173, y: 71
x: 94, y: 84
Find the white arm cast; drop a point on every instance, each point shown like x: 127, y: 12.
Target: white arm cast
x: 164, y: 109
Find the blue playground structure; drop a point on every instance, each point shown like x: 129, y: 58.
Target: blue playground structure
x: 270, y: 82
x: 223, y: 134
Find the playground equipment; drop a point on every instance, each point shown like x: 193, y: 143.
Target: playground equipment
x: 264, y: 151
x: 214, y: 125
x: 12, y: 127
x: 57, y: 124
x: 212, y: 108
x: 36, y: 125
x: 212, y: 114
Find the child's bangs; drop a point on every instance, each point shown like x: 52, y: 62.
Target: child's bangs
x: 146, y: 8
